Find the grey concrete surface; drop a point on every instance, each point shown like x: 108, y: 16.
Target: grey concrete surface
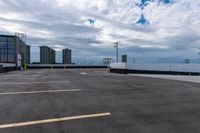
x: 137, y: 104
x: 187, y: 78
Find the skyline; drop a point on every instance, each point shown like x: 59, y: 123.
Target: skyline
x: 150, y: 30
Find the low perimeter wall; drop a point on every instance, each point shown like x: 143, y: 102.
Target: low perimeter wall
x: 62, y: 66
x: 148, y: 68
x: 1, y: 68
x: 5, y: 67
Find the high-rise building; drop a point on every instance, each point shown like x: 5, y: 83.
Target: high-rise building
x: 47, y: 55
x: 124, y: 58
x: 53, y: 57
x: 11, y: 48
x: 67, y: 56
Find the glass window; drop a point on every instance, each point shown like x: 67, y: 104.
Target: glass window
x: 11, y: 45
x: 10, y: 51
x: 3, y: 58
x: 7, y: 49
x: 3, y: 39
x: 11, y: 58
x: 4, y: 51
x: 3, y: 44
x: 11, y: 39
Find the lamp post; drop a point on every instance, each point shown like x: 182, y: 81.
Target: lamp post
x: 116, y: 44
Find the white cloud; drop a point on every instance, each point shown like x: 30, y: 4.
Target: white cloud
x: 63, y: 23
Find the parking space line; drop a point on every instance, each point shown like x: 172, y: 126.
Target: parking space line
x: 83, y: 73
x: 29, y: 123
x: 19, y: 83
x: 33, y: 92
x: 22, y: 77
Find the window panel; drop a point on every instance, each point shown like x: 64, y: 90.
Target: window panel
x: 7, y: 50
x: 11, y: 58
x: 3, y: 58
x: 3, y: 44
x: 3, y: 39
x: 11, y: 39
x: 10, y: 51
x: 3, y: 51
x: 11, y: 45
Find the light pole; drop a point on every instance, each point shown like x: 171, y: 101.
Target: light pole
x: 116, y: 44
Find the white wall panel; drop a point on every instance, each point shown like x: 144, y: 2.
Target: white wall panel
x: 157, y: 67
x: 118, y: 65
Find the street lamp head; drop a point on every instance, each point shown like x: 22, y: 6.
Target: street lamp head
x: 116, y: 43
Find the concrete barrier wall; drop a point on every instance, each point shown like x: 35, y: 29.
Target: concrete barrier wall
x: 1, y: 68
x: 5, y: 67
x: 8, y: 64
x: 186, y: 67
x: 118, y: 65
x: 47, y: 66
x: 155, y: 68
x: 150, y: 67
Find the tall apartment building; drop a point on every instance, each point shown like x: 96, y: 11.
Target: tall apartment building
x: 67, y: 56
x: 11, y: 48
x: 47, y: 55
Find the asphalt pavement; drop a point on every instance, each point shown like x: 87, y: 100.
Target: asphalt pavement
x: 96, y: 101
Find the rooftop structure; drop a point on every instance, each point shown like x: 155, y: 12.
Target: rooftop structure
x: 14, y: 50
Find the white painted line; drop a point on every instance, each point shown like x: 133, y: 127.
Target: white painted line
x: 19, y: 83
x: 83, y: 73
x: 22, y: 78
x: 29, y: 123
x: 33, y: 92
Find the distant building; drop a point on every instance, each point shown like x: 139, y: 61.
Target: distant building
x: 107, y: 61
x: 186, y: 61
x: 12, y: 48
x: 67, y: 56
x: 124, y: 58
x: 47, y: 55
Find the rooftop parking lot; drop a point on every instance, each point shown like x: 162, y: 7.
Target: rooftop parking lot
x: 96, y: 101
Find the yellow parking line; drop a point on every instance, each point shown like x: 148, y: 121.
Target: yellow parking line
x: 53, y: 120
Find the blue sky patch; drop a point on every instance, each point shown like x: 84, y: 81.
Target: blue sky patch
x: 143, y: 3
x: 166, y: 1
x: 91, y: 21
x: 142, y: 20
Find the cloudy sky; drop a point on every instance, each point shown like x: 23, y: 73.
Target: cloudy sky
x: 149, y: 30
